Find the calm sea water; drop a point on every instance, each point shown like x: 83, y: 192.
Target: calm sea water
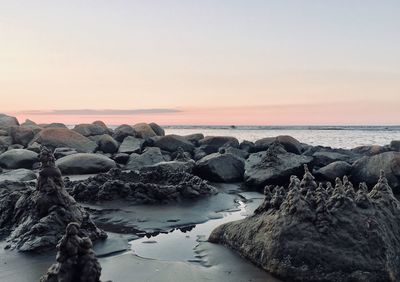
x: 333, y: 136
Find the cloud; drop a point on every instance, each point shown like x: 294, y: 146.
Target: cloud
x: 109, y: 112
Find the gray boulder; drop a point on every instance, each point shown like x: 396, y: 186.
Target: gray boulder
x: 121, y: 158
x: 290, y: 144
x: 369, y: 150
x: 220, y: 168
x: 123, y: 131
x: 3, y: 132
x: 144, y: 130
x: 131, y: 145
x: 158, y: 130
x: 107, y: 144
x: 18, y: 158
x: 22, y: 134
x: 90, y: 129
x: 172, y: 142
x: 194, y: 138
x: 18, y: 175
x: 237, y: 152
x: 62, y: 137
x: 395, y: 145
x: 5, y: 141
x: 54, y: 125
x: 83, y: 163
x: 102, y: 124
x: 333, y: 170
x: 150, y: 156
x: 247, y: 146
x: 63, y: 152
x: 367, y: 169
x: 211, y: 144
x: 7, y: 121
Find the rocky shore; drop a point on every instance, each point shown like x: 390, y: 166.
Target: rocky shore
x: 103, y: 177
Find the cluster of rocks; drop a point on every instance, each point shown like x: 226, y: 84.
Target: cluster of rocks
x: 33, y: 218
x: 320, y: 232
x: 153, y: 185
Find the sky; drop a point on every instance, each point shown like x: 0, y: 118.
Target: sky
x: 254, y: 62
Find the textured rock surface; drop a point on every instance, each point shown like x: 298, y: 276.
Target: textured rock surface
x: 131, y: 145
x: 23, y: 134
x: 34, y: 219
x: 7, y: 121
x: 144, y: 130
x: 171, y: 143
x: 150, y: 156
x: 18, y: 158
x: 90, y: 129
x: 333, y: 170
x: 315, y: 233
x: 157, y: 129
x: 62, y: 137
x: 21, y: 174
x: 290, y: 144
x: 211, y: 144
x: 83, y: 163
x: 123, y: 131
x: 107, y: 144
x: 149, y: 186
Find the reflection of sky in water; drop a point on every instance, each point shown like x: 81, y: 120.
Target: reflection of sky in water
x: 178, y: 245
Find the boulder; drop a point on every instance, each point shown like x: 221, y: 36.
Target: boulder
x: 121, y: 158
x: 150, y: 156
x: 5, y: 141
x: 123, y: 131
x: 63, y: 137
x: 29, y: 122
x: 22, y: 134
x: 369, y: 150
x: 194, y: 138
x: 107, y: 144
x: 158, y: 130
x: 211, y: 144
x: 3, y: 132
x: 54, y: 125
x: 7, y: 121
x: 333, y: 170
x: 144, y: 130
x: 315, y: 233
x: 34, y: 147
x: 102, y: 124
x: 395, y: 145
x: 18, y: 158
x: 367, y: 169
x: 63, y: 152
x: 172, y: 142
x: 274, y: 166
x: 84, y: 163
x: 90, y: 129
x: 18, y: 175
x: 290, y: 144
x: 131, y: 145
x: 247, y: 146
x: 237, y: 152
x: 220, y: 168
x: 172, y: 166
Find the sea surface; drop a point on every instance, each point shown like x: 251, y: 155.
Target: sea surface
x: 331, y: 136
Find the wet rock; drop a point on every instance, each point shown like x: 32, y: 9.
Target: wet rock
x: 325, y: 155
x: 34, y: 147
x: 369, y: 150
x: 290, y: 144
x: 150, y: 156
x: 62, y: 137
x: 63, y: 152
x: 5, y: 141
x: 122, y: 131
x: 194, y: 138
x: 220, y: 168
x: 198, y: 154
x: 237, y: 152
x: 18, y: 158
x: 211, y: 144
x: 172, y: 166
x: 33, y: 219
x: 144, y: 130
x: 311, y: 232
x: 247, y: 146
x: 131, y: 145
x: 22, y: 134
x: 151, y: 185
x: 107, y: 144
x: 395, y: 145
x: 274, y: 166
x: 76, y: 260
x: 16, y: 175
x: 90, y: 129
x: 158, y: 130
x: 84, y: 163
x: 121, y: 158
x: 171, y: 143
x: 7, y: 121
x: 367, y: 169
x: 333, y: 170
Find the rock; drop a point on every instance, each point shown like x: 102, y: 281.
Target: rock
x: 131, y: 145
x: 237, y: 152
x: 5, y: 141
x: 211, y: 144
x: 107, y: 144
x: 102, y: 124
x: 152, y: 185
x: 150, y: 156
x: 123, y: 131
x: 333, y: 170
x: 290, y: 144
x: 367, y: 169
x: 144, y: 130
x: 395, y: 145
x: 54, y: 125
x: 18, y: 158
x: 198, y: 154
x: 158, y: 130
x: 3, y: 132
x: 84, y: 163
x: 63, y: 152
x: 247, y: 146
x: 194, y: 138
x: 322, y: 158
x: 29, y: 122
x: 220, y: 168
x: 121, y: 158
x: 17, y: 175
x: 369, y: 150
x: 316, y: 233
x: 34, y: 147
x: 33, y: 219
x: 15, y: 146
x: 76, y: 260
x: 7, y: 121
x: 90, y: 129
x: 172, y: 166
x: 62, y: 137
x: 274, y: 166
x: 22, y: 134
x: 172, y: 142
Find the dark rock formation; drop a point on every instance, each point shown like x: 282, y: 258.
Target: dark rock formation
x: 149, y: 186
x: 34, y: 219
x: 63, y: 152
x: 21, y: 174
x: 62, y: 137
x: 171, y: 143
x: 83, y: 163
x: 76, y: 260
x: 22, y: 134
x: 370, y: 150
x: 333, y: 170
x: 54, y: 125
x: 211, y: 144
x: 289, y: 143
x: 275, y: 166
x: 122, y: 131
x: 150, y: 156
x: 194, y: 138
x: 158, y: 130
x: 395, y: 145
x: 247, y: 146
x: 7, y: 121
x: 144, y: 130
x: 18, y: 158
x: 131, y: 145
x: 107, y: 144
x: 90, y: 129
x: 319, y: 233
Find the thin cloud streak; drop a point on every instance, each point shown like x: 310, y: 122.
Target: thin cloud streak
x: 110, y: 112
